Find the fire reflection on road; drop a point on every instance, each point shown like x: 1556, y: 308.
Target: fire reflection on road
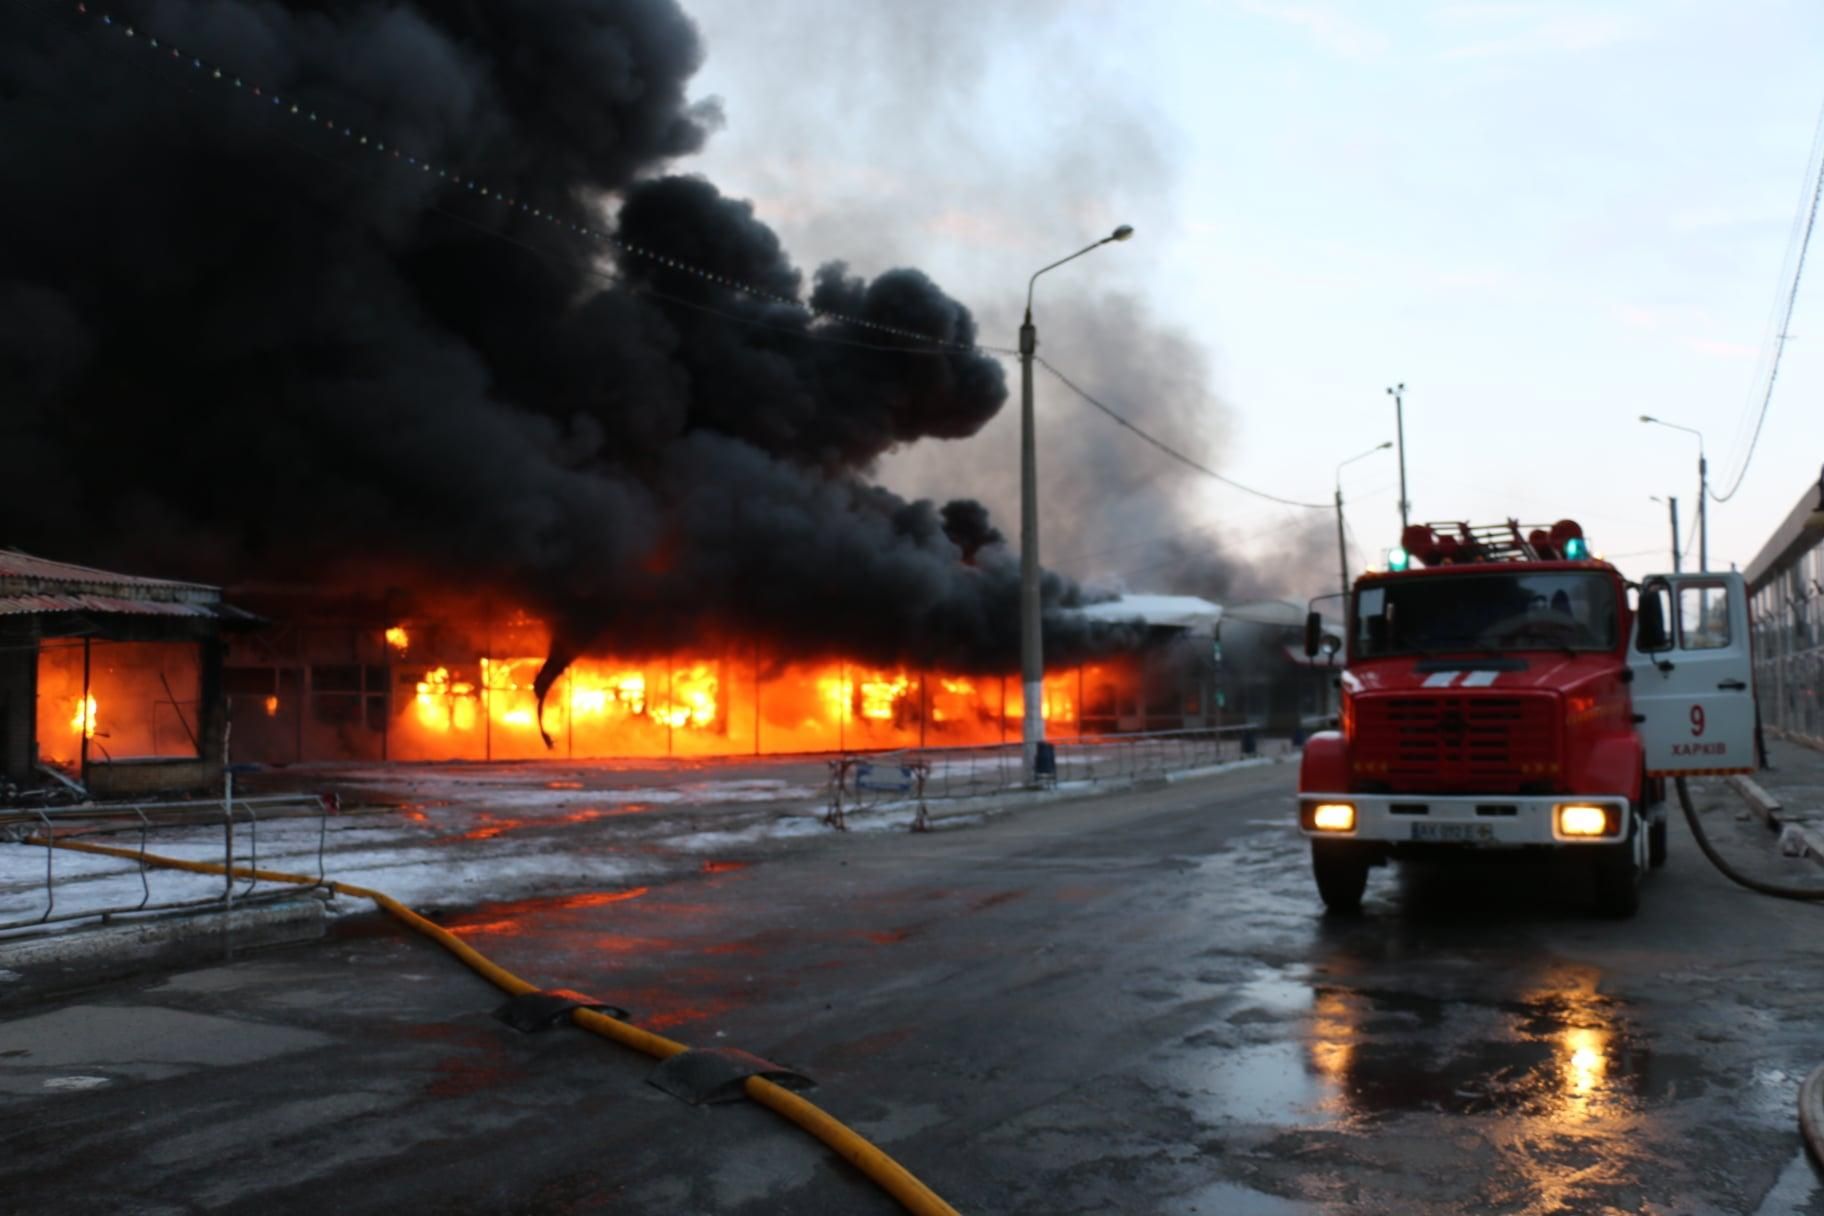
x: 1550, y: 1054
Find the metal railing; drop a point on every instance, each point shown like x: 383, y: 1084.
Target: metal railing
x: 239, y: 820
x: 861, y: 780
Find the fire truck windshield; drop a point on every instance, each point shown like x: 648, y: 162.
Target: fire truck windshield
x: 1513, y: 610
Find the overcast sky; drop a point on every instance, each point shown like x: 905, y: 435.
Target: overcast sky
x: 1546, y: 219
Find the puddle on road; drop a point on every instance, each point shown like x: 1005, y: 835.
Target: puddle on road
x: 1264, y: 1083
x: 1292, y: 1051
x: 1233, y: 1199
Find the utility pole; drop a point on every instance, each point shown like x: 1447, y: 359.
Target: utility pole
x: 1703, y: 490
x: 1398, y: 393
x: 1703, y: 509
x: 1342, y: 546
x: 1672, y: 505
x: 1342, y: 552
x: 1032, y: 654
x: 1032, y: 657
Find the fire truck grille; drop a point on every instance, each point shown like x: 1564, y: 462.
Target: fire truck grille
x: 1468, y: 744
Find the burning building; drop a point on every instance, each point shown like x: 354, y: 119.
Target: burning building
x: 1199, y: 665
x: 344, y: 676
x: 110, y: 680
x: 395, y: 677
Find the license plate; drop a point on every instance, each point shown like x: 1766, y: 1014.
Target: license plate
x: 1453, y: 833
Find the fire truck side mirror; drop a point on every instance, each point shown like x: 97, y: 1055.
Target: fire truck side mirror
x: 1651, y: 634
x: 1314, y: 633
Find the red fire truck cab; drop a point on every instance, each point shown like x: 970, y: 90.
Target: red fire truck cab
x: 1501, y: 693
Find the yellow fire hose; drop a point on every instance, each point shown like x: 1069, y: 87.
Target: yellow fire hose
x: 885, y: 1172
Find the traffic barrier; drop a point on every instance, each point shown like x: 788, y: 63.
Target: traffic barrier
x: 240, y: 820
x: 869, y: 779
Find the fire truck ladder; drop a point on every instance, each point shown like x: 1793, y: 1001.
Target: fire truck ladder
x: 1491, y: 542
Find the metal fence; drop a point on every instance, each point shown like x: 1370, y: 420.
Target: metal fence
x: 861, y: 780
x: 145, y: 823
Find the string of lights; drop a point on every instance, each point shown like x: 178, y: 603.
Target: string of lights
x: 312, y: 117
x: 1173, y: 452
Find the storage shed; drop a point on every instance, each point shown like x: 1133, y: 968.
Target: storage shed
x: 112, y: 681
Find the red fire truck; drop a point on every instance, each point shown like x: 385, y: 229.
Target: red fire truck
x: 1503, y: 691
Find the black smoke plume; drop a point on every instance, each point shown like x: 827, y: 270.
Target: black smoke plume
x: 237, y: 345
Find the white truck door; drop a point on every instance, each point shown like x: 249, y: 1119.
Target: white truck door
x: 1693, y: 686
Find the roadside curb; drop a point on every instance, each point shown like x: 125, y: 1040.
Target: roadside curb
x: 1759, y: 800
x: 168, y: 940
x: 1811, y: 1114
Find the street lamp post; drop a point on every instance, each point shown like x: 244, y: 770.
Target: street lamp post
x: 1703, y: 490
x: 1342, y: 550
x: 1398, y: 393
x: 1672, y: 503
x: 1032, y: 654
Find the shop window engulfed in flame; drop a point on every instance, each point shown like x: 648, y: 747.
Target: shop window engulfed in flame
x: 444, y: 703
x: 693, y: 698
x: 471, y: 707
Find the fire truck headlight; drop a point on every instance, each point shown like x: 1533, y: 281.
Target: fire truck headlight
x: 1587, y: 819
x: 1333, y: 817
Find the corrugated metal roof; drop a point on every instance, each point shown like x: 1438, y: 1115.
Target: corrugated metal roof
x: 14, y: 605
x: 25, y: 577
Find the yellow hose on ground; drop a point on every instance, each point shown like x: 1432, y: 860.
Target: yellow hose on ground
x: 882, y: 1170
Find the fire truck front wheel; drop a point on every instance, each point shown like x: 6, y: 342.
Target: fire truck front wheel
x: 1341, y: 869
x: 1618, y: 872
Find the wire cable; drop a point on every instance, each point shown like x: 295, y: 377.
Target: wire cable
x: 206, y: 69
x: 1785, y: 323
x: 1173, y: 452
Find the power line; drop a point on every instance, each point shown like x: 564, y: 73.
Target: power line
x: 1816, y: 168
x: 1173, y: 452
x: 206, y: 69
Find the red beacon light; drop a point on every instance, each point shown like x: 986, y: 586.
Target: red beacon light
x: 1461, y: 543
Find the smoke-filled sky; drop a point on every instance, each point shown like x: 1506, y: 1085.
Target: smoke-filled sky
x: 238, y: 344
x: 232, y: 345
x: 1546, y: 218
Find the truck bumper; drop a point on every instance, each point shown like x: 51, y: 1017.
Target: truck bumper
x: 1492, y: 821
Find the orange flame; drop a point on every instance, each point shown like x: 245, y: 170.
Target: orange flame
x: 398, y: 638
x: 83, y: 720
x: 469, y: 707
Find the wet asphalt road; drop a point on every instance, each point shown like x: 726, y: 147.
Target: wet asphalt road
x: 1127, y: 1004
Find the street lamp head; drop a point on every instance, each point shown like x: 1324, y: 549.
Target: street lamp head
x: 1121, y: 233
x: 1384, y: 446
x: 1648, y: 418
